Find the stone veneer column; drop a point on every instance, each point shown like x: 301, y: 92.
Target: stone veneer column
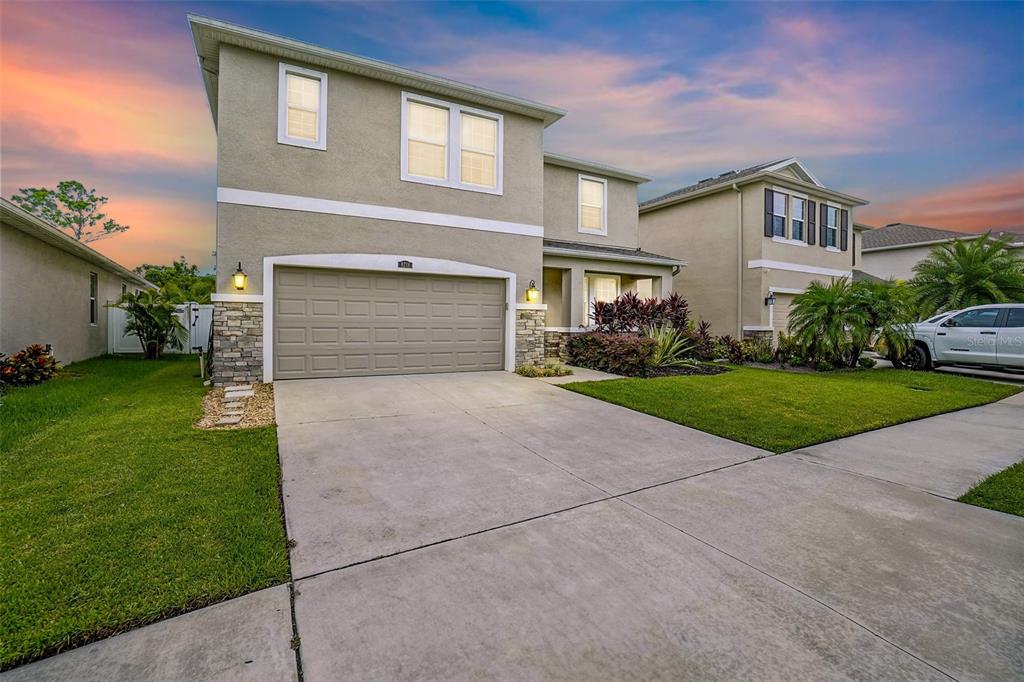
x: 237, y: 343
x: 752, y: 335
x: 556, y: 346
x: 530, y: 337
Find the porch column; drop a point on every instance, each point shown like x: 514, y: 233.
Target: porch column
x: 577, y: 311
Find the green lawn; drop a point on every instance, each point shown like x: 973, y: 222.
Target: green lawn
x: 782, y: 411
x: 1003, y: 491
x: 116, y: 512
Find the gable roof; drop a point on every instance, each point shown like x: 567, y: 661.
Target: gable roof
x: 768, y: 169
x: 34, y: 226
x: 905, y: 235
x: 594, y: 167
x: 209, y: 34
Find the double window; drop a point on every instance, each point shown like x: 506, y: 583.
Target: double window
x: 93, y: 292
x: 831, y: 226
x: 604, y: 288
x: 593, y: 205
x: 451, y: 145
x: 302, y: 107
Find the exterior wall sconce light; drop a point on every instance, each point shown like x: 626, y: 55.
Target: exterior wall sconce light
x: 532, y: 293
x: 770, y: 300
x: 238, y: 279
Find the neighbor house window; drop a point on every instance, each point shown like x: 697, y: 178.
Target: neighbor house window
x: 593, y: 208
x: 93, y: 290
x: 831, y: 225
x: 779, y: 214
x: 799, y: 206
x: 124, y: 288
x: 451, y: 145
x: 604, y: 288
x: 302, y: 107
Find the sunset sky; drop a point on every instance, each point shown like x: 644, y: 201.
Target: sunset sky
x: 918, y: 108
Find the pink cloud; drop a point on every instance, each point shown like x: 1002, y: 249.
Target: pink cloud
x: 991, y: 203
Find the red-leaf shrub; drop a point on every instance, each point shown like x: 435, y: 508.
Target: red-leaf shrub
x: 33, y: 365
x: 631, y: 314
x: 625, y: 354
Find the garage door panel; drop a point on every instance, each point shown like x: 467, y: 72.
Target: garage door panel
x: 338, y: 323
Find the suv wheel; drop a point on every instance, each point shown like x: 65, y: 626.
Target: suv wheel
x: 917, y: 358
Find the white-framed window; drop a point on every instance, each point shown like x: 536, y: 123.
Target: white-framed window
x: 831, y: 226
x: 592, y: 209
x: 799, y: 209
x: 451, y: 145
x: 779, y: 214
x: 603, y: 288
x: 301, y: 107
x: 94, y: 281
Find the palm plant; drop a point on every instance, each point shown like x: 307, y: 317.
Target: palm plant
x: 152, y: 318
x: 889, y: 311
x: 673, y: 349
x: 827, y: 321
x: 961, y: 274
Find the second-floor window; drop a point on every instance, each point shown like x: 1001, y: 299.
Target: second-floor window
x: 799, y: 208
x: 451, y: 145
x: 593, y: 205
x: 779, y: 214
x: 302, y: 107
x: 93, y: 293
x: 831, y: 226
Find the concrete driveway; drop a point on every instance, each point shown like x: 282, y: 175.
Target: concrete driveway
x: 478, y: 526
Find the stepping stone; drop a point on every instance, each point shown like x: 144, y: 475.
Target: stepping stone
x: 228, y: 421
x: 232, y: 406
x: 238, y: 394
x: 239, y: 387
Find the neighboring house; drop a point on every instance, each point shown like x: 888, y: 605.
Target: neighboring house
x: 390, y: 221
x: 54, y: 289
x: 891, y: 252
x: 752, y: 236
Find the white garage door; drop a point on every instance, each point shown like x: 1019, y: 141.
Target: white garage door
x: 333, y: 323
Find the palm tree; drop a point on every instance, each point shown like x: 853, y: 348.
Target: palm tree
x: 961, y: 274
x: 151, y: 317
x: 889, y: 310
x: 826, y: 320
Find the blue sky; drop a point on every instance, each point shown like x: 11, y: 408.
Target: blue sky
x: 917, y: 107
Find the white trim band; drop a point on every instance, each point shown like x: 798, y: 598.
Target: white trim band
x: 237, y: 298
x: 291, y: 202
x: 797, y: 267
x: 758, y: 328
x: 785, y: 290
x: 531, y: 306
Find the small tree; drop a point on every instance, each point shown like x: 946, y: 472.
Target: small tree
x: 72, y: 208
x: 180, y: 281
x: 151, y: 317
x: 961, y: 274
x: 827, y: 321
x: 889, y: 310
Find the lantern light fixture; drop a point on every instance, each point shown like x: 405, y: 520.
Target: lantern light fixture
x: 239, y: 278
x: 532, y: 293
x: 770, y: 299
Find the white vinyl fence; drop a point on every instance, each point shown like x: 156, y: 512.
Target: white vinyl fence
x: 197, y: 318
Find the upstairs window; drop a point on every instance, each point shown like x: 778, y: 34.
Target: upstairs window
x: 93, y: 292
x: 302, y: 107
x: 593, y: 205
x: 779, y: 214
x: 799, y: 207
x: 831, y: 226
x: 451, y: 145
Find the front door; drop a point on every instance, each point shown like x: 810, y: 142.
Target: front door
x: 968, y: 337
x: 1010, y: 339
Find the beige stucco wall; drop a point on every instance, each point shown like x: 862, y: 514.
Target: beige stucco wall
x: 561, y: 208
x: 362, y: 162
x: 563, y: 291
x: 703, y: 233
x: 44, y: 298
x: 896, y: 263
x: 248, y: 234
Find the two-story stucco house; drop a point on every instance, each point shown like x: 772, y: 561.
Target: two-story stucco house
x: 753, y: 239
x: 389, y: 221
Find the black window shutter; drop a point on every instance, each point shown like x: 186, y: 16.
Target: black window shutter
x: 853, y: 249
x: 844, y: 229
x: 811, y: 208
x: 768, y: 212
x: 823, y: 229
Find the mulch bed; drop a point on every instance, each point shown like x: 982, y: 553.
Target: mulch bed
x: 258, y: 410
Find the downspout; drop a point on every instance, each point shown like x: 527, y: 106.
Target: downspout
x: 739, y: 260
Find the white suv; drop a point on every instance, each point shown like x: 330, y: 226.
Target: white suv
x: 982, y: 336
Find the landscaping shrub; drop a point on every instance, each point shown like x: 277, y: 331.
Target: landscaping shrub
x: 730, y: 348
x: 551, y: 369
x: 34, y: 365
x: 867, y: 363
x: 625, y: 354
x: 673, y: 346
x: 151, y: 317
x: 758, y: 350
x: 703, y: 341
x: 788, y: 351
x: 631, y: 314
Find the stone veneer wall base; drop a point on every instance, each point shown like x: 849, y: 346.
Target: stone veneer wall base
x: 237, y: 343
x: 529, y: 337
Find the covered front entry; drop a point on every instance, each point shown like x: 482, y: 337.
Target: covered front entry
x: 335, y: 323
